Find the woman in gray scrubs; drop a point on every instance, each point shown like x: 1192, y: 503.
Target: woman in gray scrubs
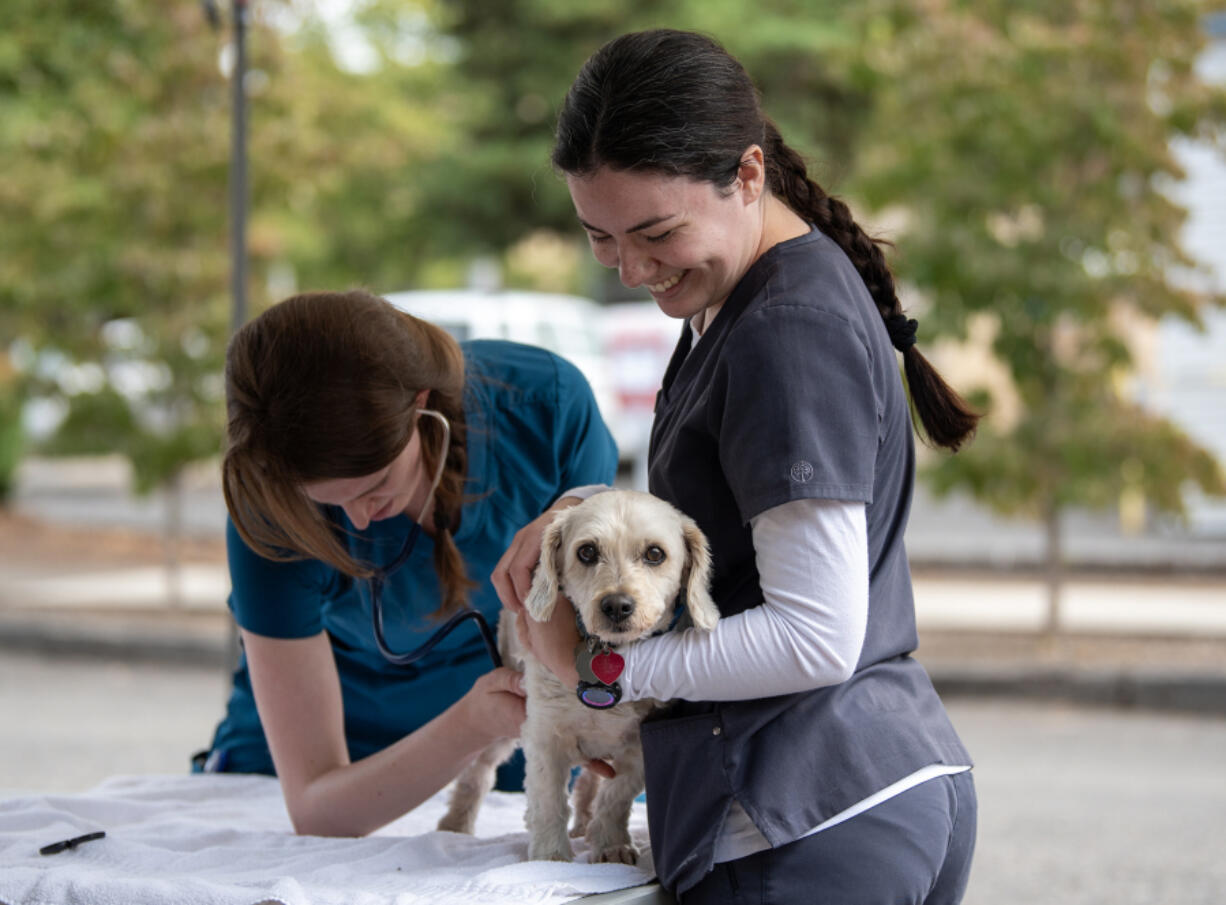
x: 806, y: 756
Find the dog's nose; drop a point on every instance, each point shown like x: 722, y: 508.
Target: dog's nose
x: 617, y: 607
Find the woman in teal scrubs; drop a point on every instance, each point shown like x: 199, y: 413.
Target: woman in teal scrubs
x: 348, y: 422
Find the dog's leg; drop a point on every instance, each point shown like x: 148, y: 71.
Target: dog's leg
x: 608, y: 831
x: 545, y: 788
x: 582, y: 796
x: 472, y: 785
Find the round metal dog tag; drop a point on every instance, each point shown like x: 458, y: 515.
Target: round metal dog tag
x: 599, y: 695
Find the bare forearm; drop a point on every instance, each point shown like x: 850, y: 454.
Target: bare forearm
x: 358, y: 798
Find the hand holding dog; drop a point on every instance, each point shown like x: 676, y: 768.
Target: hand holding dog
x: 512, y: 577
x: 552, y: 642
x: 622, y: 560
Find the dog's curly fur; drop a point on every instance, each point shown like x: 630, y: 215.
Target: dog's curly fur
x: 622, y: 558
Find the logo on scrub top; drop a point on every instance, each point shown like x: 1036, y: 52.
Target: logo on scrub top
x: 802, y: 472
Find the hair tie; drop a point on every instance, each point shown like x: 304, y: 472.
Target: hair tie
x: 902, y: 331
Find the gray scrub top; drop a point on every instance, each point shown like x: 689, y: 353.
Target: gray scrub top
x: 792, y: 393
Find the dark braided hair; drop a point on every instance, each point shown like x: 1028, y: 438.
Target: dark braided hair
x: 677, y: 103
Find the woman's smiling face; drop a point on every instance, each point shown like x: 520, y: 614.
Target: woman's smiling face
x: 686, y: 241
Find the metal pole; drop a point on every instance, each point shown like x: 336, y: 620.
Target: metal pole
x: 238, y: 221
x: 238, y: 169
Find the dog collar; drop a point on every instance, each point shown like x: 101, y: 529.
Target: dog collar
x: 599, y: 668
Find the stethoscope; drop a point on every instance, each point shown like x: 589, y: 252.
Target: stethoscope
x: 380, y: 577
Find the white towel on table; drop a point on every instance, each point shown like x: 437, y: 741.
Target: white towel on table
x: 227, y: 840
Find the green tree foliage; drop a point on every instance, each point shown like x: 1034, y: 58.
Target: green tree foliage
x: 1027, y: 146
x: 514, y: 61
x: 11, y: 440
x: 339, y: 156
x: 114, y: 137
x: 114, y: 212
x: 1015, y: 151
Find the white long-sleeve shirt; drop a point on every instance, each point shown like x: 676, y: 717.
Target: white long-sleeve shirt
x: 812, y: 559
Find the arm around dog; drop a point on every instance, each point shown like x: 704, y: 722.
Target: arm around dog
x: 812, y: 558
x: 553, y: 640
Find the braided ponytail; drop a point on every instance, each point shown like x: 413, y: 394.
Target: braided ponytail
x: 945, y: 417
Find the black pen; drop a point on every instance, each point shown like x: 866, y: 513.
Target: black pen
x: 56, y: 847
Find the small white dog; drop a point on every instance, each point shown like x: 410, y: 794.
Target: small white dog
x: 622, y: 558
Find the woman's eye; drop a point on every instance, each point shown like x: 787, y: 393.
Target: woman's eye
x: 598, y: 239
x: 660, y: 238
x: 654, y: 556
x: 587, y: 554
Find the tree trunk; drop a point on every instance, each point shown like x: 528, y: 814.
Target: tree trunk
x: 1054, y: 567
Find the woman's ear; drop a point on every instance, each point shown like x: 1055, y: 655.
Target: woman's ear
x: 544, y: 591
x: 703, y: 611
x: 751, y: 174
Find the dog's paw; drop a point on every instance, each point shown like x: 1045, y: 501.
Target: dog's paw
x: 617, y: 854
x: 458, y: 823
x: 578, y: 831
x: 545, y: 851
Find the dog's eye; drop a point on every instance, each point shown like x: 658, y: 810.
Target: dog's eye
x: 588, y: 554
x: 654, y: 556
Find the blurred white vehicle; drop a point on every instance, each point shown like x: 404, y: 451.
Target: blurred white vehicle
x: 638, y: 340
x: 567, y: 325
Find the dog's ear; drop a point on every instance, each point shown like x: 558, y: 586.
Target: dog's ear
x: 544, y: 591
x: 703, y: 611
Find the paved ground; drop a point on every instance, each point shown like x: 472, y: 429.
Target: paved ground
x: 74, y: 722
x: 1091, y: 806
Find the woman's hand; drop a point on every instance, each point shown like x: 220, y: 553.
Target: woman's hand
x: 512, y: 577
x: 553, y: 641
x: 494, y: 707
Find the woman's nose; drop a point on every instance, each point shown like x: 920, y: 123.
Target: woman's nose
x: 633, y: 267
x: 359, y: 513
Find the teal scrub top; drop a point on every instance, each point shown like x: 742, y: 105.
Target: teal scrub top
x: 533, y: 431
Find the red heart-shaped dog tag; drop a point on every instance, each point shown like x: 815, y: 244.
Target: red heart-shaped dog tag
x: 608, y: 666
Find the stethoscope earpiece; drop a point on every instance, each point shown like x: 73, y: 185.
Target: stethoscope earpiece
x: 442, y: 460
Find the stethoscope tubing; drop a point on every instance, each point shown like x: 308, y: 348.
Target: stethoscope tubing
x: 411, y: 657
x: 381, y: 575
